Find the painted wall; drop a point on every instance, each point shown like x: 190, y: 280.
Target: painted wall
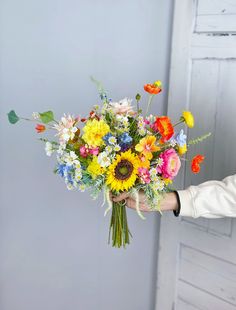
x: 53, y: 243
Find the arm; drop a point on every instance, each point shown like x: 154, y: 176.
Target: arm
x: 212, y: 199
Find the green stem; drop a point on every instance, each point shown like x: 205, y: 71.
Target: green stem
x: 119, y: 225
x: 149, y: 103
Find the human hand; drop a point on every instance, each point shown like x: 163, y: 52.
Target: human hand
x: 168, y: 203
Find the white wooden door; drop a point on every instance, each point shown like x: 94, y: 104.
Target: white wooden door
x: 197, y: 257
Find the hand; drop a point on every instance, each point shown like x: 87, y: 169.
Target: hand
x: 169, y: 202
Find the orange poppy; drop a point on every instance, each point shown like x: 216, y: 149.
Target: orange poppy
x: 164, y: 127
x: 154, y: 88
x: 196, y: 161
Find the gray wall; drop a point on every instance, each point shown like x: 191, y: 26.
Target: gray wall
x: 53, y: 243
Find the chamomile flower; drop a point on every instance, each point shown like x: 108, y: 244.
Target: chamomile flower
x: 82, y: 187
x: 159, y: 162
x: 108, y: 149
x: 117, y: 148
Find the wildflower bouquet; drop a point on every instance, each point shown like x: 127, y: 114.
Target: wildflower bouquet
x: 116, y: 149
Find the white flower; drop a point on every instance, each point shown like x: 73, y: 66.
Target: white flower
x: 173, y: 142
x: 159, y: 162
x: 159, y: 185
x: 117, y: 148
x: 112, y: 140
x: 35, y: 115
x: 82, y: 187
x: 49, y: 148
x: 61, y: 148
x: 71, y: 158
x: 108, y: 149
x: 103, y: 160
x: 153, y: 172
x: 122, y: 107
x: 66, y: 129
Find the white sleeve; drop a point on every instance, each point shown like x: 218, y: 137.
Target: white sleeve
x: 212, y: 199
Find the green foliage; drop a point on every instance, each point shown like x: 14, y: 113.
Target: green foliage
x: 199, y: 139
x: 12, y: 117
x: 46, y: 117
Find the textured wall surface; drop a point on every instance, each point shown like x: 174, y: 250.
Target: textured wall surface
x: 53, y: 243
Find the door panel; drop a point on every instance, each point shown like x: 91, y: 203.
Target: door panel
x: 197, y: 257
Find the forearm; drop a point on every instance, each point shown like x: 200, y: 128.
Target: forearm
x: 170, y: 202
x: 212, y: 199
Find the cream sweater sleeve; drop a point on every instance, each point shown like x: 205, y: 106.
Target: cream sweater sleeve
x: 212, y: 199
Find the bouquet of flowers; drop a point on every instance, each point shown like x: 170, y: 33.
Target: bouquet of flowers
x: 115, y: 149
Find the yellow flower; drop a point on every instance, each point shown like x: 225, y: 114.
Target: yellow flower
x: 147, y: 146
x: 143, y: 162
x: 122, y: 173
x: 94, y: 168
x: 182, y: 149
x: 94, y: 131
x: 188, y: 118
x: 167, y: 181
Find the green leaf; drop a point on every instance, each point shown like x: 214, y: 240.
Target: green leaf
x: 46, y: 117
x: 12, y: 117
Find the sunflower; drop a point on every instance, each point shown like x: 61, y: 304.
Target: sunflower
x: 122, y: 173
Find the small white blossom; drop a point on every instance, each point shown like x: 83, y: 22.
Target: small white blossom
x: 159, y: 185
x: 159, y: 162
x: 61, y: 148
x: 66, y: 129
x: 112, y: 140
x: 71, y: 158
x: 117, y: 148
x: 103, y: 160
x: 108, y: 149
x: 82, y: 187
x: 173, y: 142
x: 35, y: 115
x: 49, y: 148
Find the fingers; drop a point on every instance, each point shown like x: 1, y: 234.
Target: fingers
x: 130, y: 203
x: 120, y: 197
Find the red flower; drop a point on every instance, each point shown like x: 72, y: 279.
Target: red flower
x: 164, y: 127
x: 196, y: 161
x: 40, y: 128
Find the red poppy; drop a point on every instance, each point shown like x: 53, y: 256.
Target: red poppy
x: 196, y: 161
x: 164, y: 127
x: 40, y: 128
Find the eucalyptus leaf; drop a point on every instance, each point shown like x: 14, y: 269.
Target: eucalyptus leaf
x: 13, y: 117
x: 46, y: 117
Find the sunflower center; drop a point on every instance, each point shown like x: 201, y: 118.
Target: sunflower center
x: 123, y: 170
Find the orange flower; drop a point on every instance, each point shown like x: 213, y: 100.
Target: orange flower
x: 40, y: 128
x: 154, y: 88
x: 147, y: 146
x: 164, y: 127
x: 196, y: 161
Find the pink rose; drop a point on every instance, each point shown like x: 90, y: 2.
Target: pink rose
x: 171, y: 164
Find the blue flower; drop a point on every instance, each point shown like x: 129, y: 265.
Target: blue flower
x: 125, y: 138
x: 107, y: 138
x: 181, y: 138
x: 61, y: 170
